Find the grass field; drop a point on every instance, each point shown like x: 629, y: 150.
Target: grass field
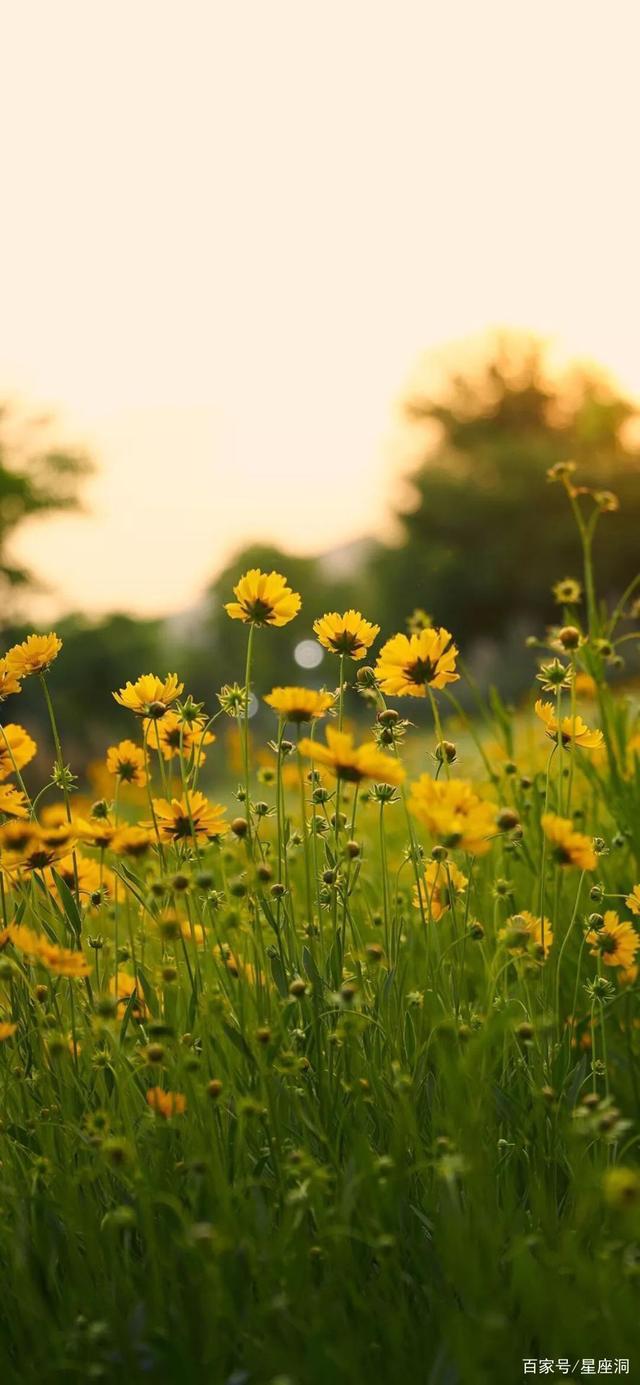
x: 335, y: 1081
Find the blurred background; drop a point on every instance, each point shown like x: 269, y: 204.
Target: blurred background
x: 324, y: 288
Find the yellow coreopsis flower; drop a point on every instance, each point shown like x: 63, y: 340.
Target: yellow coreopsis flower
x: 299, y: 704
x: 409, y: 664
x: 167, y: 735
x: 126, y: 761
x: 263, y: 598
x: 352, y: 763
x: 34, y: 655
x: 346, y: 634
x: 616, y: 942
x: 8, y: 682
x: 7, y: 1030
x: 569, y: 729
x: 16, y: 749
x: 98, y: 832
x: 64, y: 961
x: 122, y: 991
x: 526, y: 932
x: 570, y: 848
x: 194, y: 818
x: 442, y: 882
x: 132, y: 841
x: 453, y: 813
x: 150, y: 696
x: 13, y: 802
x: 633, y: 900
x: 166, y: 1104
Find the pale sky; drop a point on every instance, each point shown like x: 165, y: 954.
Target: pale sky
x: 230, y: 228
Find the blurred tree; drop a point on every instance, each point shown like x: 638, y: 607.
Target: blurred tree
x: 485, y: 536
x: 36, y: 479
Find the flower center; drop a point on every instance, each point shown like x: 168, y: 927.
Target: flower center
x: 421, y: 671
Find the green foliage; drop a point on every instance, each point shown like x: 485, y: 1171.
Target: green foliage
x: 36, y: 479
x: 478, y: 553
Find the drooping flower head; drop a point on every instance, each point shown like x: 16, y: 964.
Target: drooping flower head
x: 16, y: 749
x: 616, y: 942
x: 34, y: 655
x: 352, y: 763
x: 442, y: 882
x: 453, y: 813
x: 569, y: 730
x: 126, y: 761
x: 569, y: 848
x: 263, y: 598
x: 526, y: 933
x: 195, y: 818
x: 150, y: 696
x: 345, y: 634
x: 299, y: 704
x: 409, y: 664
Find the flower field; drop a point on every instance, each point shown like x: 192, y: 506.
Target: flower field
x: 319, y: 1047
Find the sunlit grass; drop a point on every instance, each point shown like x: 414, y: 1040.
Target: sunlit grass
x: 335, y: 1078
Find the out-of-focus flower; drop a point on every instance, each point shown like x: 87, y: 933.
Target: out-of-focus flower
x: 569, y: 848
x: 525, y: 932
x: 172, y: 735
x: 16, y: 749
x: 442, y: 882
x: 166, y: 1104
x: 8, y: 682
x: 352, y: 763
x: 453, y: 813
x: 568, y: 592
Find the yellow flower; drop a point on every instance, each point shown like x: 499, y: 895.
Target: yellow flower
x: 568, y: 592
x: 132, y: 841
x: 126, y: 761
x: 453, y: 813
x: 8, y: 682
x: 347, y: 634
x: 13, y: 802
x: 193, y: 933
x: 34, y: 655
x: 299, y: 704
x: 166, y: 1104
x: 195, y: 818
x: 616, y: 943
x: 93, y: 879
x: 570, y: 848
x: 263, y: 599
x: 64, y: 961
x: 524, y: 932
x: 442, y: 882
x: 16, y: 749
x: 570, y: 729
x: 98, y: 832
x: 171, y: 731
x: 585, y: 685
x: 150, y: 696
x: 621, y: 1186
x: 408, y: 664
x: 7, y: 1030
x: 633, y: 900
x: 352, y: 763
x: 122, y: 991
